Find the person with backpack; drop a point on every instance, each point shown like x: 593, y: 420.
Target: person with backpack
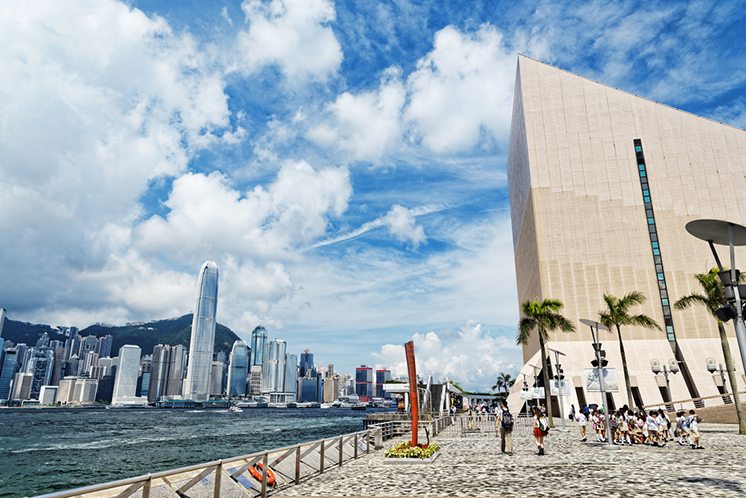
x: 541, y: 428
x: 506, y: 429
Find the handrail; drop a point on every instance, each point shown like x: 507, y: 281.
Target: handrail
x: 380, y: 431
x: 692, y: 400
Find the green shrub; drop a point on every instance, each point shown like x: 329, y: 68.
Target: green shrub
x: 406, y: 450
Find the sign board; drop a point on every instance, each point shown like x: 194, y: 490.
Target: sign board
x: 565, y: 389
x: 593, y: 385
x: 533, y: 393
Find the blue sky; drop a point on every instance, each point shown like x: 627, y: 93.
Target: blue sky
x: 343, y: 163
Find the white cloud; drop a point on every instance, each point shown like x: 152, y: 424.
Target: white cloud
x: 367, y: 125
x: 98, y: 100
x: 459, y: 96
x: 401, y: 223
x: 469, y: 356
x: 292, y: 34
x: 462, y: 88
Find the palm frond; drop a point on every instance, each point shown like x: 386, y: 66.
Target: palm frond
x: 644, y: 321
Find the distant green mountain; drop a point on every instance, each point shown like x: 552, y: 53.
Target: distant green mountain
x: 146, y: 335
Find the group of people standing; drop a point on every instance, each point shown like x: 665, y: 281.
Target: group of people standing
x: 652, y: 427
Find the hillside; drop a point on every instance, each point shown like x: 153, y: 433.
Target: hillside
x: 146, y: 335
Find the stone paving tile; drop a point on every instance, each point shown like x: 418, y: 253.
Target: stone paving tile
x: 472, y: 465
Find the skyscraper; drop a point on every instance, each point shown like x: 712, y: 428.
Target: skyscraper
x: 202, y: 341
x: 273, y: 368
x: 306, y: 364
x: 104, y: 345
x: 364, y: 382
x: 258, y: 340
x: 290, y: 376
x: 2, y: 320
x: 22, y: 386
x: 382, y: 375
x: 40, y: 367
x: 125, y: 382
x: 602, y: 184
x: 7, y: 372
x: 238, y: 369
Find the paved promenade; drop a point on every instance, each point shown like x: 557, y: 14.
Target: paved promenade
x: 472, y: 465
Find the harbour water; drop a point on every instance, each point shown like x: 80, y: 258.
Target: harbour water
x: 42, y: 451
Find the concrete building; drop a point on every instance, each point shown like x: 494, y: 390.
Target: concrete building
x: 125, y: 382
x: 602, y: 183
x: 364, y: 382
x: 258, y: 341
x: 216, y: 378
x: 84, y: 391
x: 202, y: 341
x: 22, y: 386
x: 291, y: 374
x: 273, y: 368
x: 382, y: 375
x: 255, y: 380
x: 47, y: 395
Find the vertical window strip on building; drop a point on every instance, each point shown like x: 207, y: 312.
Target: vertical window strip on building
x: 654, y: 243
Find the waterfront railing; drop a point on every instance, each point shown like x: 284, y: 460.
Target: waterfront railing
x: 261, y: 473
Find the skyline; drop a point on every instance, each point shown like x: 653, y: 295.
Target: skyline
x: 343, y: 164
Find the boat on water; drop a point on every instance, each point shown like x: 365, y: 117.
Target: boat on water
x: 235, y: 409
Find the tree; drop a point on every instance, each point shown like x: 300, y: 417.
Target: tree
x: 617, y: 315
x: 504, y: 382
x: 544, y: 317
x: 713, y: 299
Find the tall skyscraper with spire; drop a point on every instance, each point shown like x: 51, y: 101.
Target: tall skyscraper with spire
x: 202, y: 342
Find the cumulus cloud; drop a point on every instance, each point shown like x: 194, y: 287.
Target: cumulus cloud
x: 209, y: 217
x: 294, y: 35
x: 469, y: 356
x: 462, y: 88
x: 98, y: 100
x: 367, y: 125
x: 459, y: 95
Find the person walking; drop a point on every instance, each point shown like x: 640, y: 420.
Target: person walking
x: 506, y: 429
x: 541, y: 428
x: 582, y: 423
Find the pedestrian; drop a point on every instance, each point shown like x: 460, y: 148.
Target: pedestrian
x: 572, y: 413
x: 694, y: 431
x: 582, y: 423
x: 541, y: 428
x: 506, y: 429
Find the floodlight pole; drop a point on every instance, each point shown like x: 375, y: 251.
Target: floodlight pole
x: 602, y: 383
x: 559, y: 385
x: 740, y: 328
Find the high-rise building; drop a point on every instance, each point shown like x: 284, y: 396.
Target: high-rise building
x: 43, y: 340
x: 2, y: 320
x: 273, y: 368
x: 125, y: 382
x: 88, y: 344
x: 89, y: 361
x: 104, y: 345
x: 258, y: 340
x: 364, y: 382
x: 22, y: 386
x: 602, y: 184
x: 202, y: 341
x: 59, y: 365
x: 40, y: 367
x: 84, y: 391
x: 382, y: 375
x: 216, y: 378
x: 238, y: 369
x: 143, y: 380
x: 177, y: 371
x: 255, y: 380
x: 290, y: 376
x: 8, y: 372
x: 306, y: 364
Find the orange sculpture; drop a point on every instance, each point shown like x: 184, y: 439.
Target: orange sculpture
x: 413, y: 403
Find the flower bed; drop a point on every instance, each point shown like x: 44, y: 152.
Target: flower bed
x: 406, y: 450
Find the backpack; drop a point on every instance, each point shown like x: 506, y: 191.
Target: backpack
x: 543, y: 425
x: 507, y: 420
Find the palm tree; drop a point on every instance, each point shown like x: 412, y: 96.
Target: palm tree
x: 545, y: 317
x: 616, y: 315
x: 713, y: 299
x: 504, y: 382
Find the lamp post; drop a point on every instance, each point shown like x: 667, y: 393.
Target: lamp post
x: 730, y: 234
x: 719, y: 369
x: 655, y: 367
x: 525, y: 389
x: 599, y: 366
x: 558, y: 379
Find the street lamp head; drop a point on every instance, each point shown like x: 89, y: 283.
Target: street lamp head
x: 711, y: 365
x: 716, y: 231
x: 655, y: 366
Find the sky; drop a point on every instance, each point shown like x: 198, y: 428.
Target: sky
x: 343, y: 163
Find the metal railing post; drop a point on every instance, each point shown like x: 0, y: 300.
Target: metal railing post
x: 355, y: 446
x: 218, y: 478
x: 367, y: 441
x: 321, y: 459
x: 341, y: 446
x: 297, y: 464
x: 146, y: 487
x: 379, y: 438
x: 265, y: 464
